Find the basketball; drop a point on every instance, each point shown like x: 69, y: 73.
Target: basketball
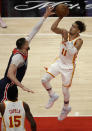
x: 62, y: 10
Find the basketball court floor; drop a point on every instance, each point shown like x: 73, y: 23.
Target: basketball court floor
x: 44, y: 49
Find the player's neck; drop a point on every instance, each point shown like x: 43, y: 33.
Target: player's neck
x: 14, y: 100
x: 73, y: 36
x: 24, y: 52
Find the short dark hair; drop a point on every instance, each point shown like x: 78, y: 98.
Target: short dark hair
x: 81, y: 26
x: 12, y: 93
x: 20, y: 42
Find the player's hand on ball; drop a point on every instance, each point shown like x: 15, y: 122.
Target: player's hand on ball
x: 49, y: 11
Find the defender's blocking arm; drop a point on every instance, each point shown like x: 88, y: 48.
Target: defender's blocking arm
x: 39, y: 25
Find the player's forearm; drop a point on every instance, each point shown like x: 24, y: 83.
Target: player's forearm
x: 14, y: 80
x: 55, y: 24
x: 35, y: 29
x: 33, y: 127
x: 32, y: 122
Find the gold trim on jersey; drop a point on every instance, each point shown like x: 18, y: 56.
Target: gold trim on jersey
x: 24, y: 124
x: 75, y: 42
x: 71, y: 78
x: 73, y: 61
x: 4, y: 123
x: 72, y: 39
x: 51, y: 74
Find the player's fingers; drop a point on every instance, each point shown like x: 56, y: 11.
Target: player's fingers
x: 50, y: 7
x: 31, y: 91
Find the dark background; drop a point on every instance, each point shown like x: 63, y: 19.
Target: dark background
x: 7, y: 8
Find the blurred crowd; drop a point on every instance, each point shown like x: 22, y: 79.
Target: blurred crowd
x: 2, y: 23
x: 8, y: 8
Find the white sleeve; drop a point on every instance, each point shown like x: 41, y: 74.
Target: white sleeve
x: 35, y: 30
x: 17, y: 60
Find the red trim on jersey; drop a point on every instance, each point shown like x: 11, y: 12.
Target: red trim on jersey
x: 5, y: 92
x: 64, y: 43
x: 16, y: 51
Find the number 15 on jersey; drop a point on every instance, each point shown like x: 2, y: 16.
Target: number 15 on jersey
x: 14, y: 121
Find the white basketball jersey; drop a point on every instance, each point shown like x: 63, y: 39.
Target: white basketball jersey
x: 14, y: 116
x: 67, y: 60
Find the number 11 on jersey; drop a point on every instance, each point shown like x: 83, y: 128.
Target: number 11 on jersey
x: 64, y: 52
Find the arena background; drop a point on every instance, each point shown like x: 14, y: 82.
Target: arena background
x: 44, y: 48
x: 35, y: 8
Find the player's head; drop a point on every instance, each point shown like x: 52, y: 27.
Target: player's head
x: 22, y: 44
x: 12, y: 93
x: 77, y: 27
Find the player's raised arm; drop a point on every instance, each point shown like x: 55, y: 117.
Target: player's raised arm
x: 56, y: 29
x: 29, y: 117
x: 39, y: 24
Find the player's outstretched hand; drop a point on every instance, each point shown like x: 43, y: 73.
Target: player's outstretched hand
x: 28, y: 90
x: 49, y: 11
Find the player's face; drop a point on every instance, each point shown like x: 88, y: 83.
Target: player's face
x: 74, y: 29
x: 26, y: 47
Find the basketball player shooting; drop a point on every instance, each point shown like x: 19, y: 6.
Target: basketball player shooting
x: 17, y: 65
x: 65, y: 64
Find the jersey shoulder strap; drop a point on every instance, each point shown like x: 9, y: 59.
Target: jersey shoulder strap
x: 75, y: 40
x: 16, y: 51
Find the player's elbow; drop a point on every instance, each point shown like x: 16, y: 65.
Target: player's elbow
x: 9, y: 75
x: 53, y: 28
